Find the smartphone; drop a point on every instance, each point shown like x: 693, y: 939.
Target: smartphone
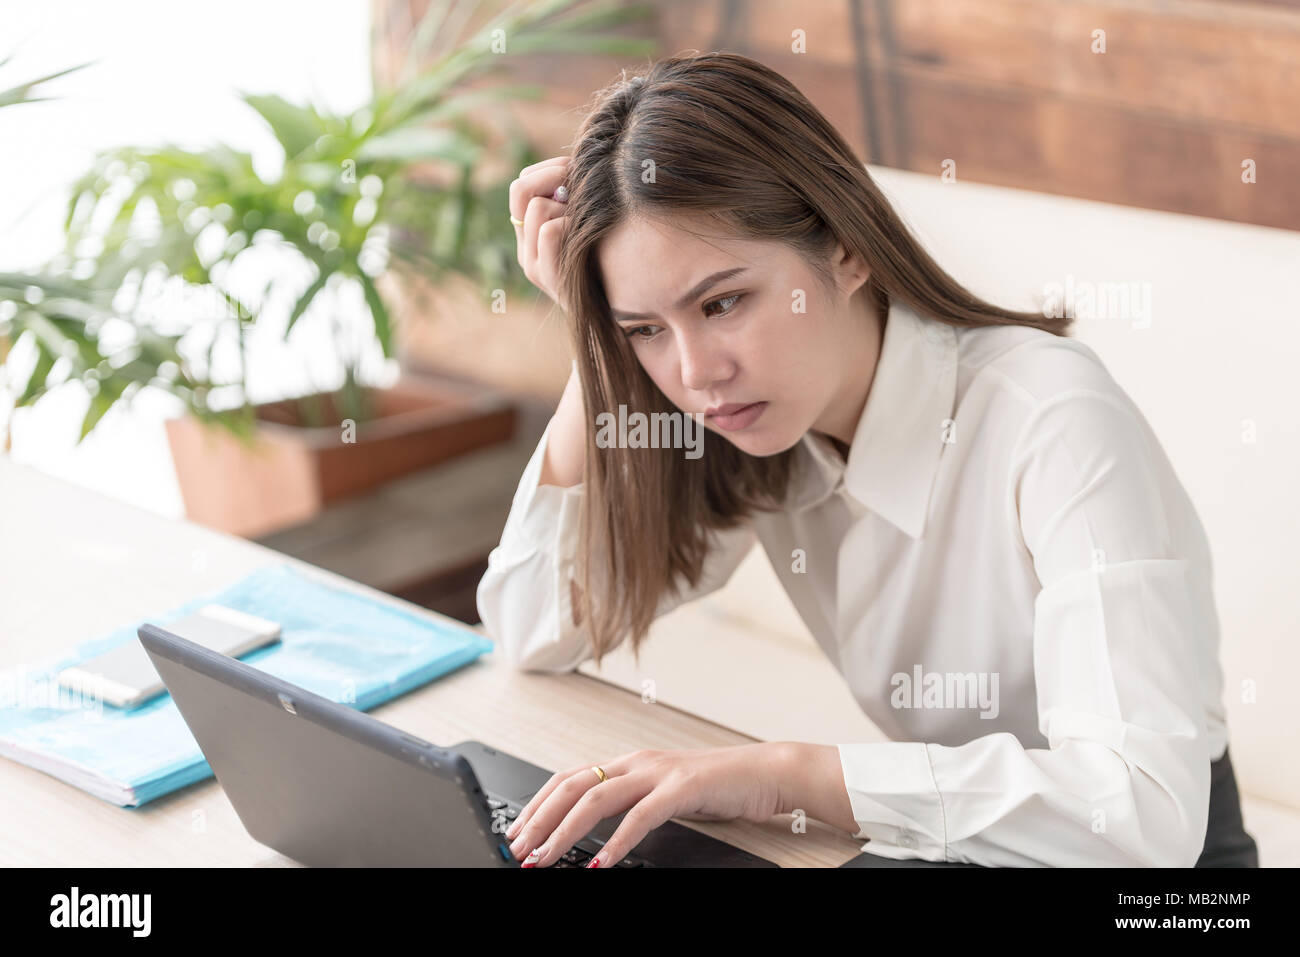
x: 126, y: 676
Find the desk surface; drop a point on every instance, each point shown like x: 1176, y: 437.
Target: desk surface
x: 75, y: 564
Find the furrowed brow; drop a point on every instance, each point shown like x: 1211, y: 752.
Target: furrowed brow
x: 699, y: 289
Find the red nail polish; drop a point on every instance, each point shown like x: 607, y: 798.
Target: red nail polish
x: 595, y: 862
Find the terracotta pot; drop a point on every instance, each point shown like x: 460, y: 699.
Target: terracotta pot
x: 291, y: 472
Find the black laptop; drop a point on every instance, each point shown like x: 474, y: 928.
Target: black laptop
x: 330, y: 786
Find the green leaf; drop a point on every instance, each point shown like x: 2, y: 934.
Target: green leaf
x: 305, y: 300
x: 73, y: 330
x: 429, y: 30
x: 47, y: 333
x: 36, y: 384
x: 100, y: 403
x: 50, y: 285
x: 21, y: 93
x: 379, y: 313
x: 410, y: 145
x: 318, y: 175
x: 296, y: 127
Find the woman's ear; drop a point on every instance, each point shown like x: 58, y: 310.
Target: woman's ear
x: 850, y: 271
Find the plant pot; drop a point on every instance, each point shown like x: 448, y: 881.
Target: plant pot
x: 291, y: 472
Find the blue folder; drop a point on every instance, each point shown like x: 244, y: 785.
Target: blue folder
x: 339, y: 644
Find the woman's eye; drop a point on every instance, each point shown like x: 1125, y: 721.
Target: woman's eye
x: 730, y: 300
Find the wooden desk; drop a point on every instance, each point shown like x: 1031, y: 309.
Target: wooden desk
x: 75, y: 564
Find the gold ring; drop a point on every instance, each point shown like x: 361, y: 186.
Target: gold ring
x: 516, y: 222
x: 600, y: 773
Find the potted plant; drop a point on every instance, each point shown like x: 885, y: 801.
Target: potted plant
x: 388, y: 188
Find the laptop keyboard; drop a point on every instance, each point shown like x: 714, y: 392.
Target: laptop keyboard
x: 504, y: 811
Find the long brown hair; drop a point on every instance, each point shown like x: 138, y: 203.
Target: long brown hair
x: 736, y: 143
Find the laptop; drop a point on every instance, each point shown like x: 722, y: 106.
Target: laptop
x: 330, y: 786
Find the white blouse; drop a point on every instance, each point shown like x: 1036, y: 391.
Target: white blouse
x: 1008, y: 522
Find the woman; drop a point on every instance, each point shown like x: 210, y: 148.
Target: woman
x: 973, y: 519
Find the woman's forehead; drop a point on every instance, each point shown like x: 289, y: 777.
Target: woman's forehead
x: 641, y: 256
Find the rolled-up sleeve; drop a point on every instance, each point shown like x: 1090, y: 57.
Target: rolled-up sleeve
x: 1125, y: 779
x: 525, y: 598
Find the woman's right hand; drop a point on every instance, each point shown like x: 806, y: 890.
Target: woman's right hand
x: 538, y: 239
x: 538, y: 250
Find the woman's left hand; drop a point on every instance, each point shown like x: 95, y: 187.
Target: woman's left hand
x: 708, y: 784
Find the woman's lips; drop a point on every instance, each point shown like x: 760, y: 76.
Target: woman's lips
x: 740, y: 419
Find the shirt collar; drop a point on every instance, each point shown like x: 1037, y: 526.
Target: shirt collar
x: 900, y: 435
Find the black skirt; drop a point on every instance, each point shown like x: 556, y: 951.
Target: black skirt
x: 1226, y: 842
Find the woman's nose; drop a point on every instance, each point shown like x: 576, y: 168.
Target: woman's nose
x: 704, y: 363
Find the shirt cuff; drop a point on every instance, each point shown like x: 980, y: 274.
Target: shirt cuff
x: 895, y: 799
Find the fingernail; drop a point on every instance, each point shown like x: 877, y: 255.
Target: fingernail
x: 595, y: 862
x: 517, y: 844
x: 512, y: 830
x: 532, y: 859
